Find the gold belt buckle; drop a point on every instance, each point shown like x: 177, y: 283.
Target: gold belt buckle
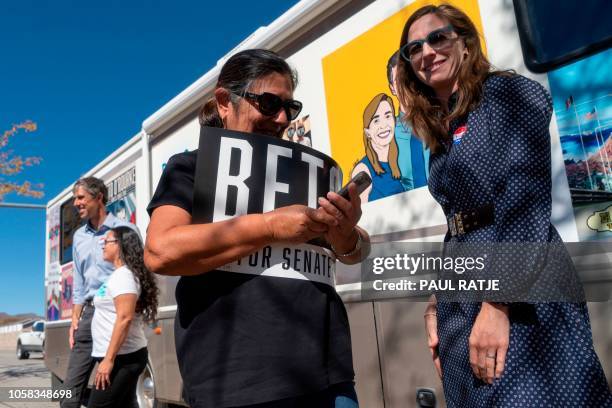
x: 459, y: 223
x: 452, y: 226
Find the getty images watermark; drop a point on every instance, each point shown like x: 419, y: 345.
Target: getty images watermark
x: 475, y: 272
x: 410, y: 264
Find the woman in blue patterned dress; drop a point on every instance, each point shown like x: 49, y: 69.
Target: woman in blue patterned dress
x: 489, y: 138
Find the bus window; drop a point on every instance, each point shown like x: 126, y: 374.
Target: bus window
x: 555, y: 33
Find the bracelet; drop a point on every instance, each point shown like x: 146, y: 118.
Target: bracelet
x: 430, y: 314
x: 353, y: 251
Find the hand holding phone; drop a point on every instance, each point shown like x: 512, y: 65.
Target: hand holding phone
x: 362, y: 180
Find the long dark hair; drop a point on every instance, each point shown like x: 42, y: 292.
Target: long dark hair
x: 424, y: 112
x: 131, y: 253
x: 239, y: 72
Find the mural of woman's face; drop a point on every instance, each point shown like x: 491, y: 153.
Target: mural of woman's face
x: 382, y: 126
x: 122, y: 213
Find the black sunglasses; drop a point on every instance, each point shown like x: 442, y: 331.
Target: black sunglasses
x: 437, y: 39
x: 269, y: 104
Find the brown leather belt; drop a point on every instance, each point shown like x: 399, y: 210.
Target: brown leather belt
x: 466, y: 221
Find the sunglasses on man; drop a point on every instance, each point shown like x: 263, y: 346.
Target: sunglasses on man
x: 269, y: 104
x: 438, y: 40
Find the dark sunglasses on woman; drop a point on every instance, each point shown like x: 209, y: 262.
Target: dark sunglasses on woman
x: 438, y: 40
x: 269, y: 104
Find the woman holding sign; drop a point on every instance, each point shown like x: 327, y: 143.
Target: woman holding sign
x: 259, y: 322
x: 490, y: 170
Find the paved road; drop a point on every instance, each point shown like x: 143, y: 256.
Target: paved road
x: 24, y: 373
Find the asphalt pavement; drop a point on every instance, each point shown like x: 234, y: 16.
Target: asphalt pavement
x: 18, y: 374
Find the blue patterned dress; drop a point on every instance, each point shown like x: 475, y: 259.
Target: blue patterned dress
x: 504, y: 159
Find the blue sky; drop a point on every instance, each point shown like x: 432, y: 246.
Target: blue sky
x: 89, y: 73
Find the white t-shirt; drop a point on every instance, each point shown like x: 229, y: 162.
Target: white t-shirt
x: 120, y: 282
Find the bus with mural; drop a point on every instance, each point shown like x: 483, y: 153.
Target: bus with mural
x: 345, y: 53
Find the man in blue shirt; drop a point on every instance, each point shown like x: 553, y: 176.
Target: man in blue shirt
x: 90, y: 271
x: 413, y: 159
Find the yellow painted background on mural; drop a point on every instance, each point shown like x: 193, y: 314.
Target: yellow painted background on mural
x: 357, y: 71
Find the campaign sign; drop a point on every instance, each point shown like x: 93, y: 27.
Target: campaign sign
x: 242, y: 173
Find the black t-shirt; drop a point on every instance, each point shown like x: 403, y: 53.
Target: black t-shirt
x: 246, y: 339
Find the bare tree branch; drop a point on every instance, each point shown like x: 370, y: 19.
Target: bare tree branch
x: 11, y: 164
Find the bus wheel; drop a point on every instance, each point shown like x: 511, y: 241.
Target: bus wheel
x: 145, y: 390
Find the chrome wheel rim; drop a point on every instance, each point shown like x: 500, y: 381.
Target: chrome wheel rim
x: 145, y: 390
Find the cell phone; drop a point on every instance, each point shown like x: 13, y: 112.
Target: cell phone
x: 361, y: 179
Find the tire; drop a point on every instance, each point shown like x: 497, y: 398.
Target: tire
x: 145, y: 389
x: 21, y: 353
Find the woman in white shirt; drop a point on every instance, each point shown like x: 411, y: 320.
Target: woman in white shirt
x: 122, y: 304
